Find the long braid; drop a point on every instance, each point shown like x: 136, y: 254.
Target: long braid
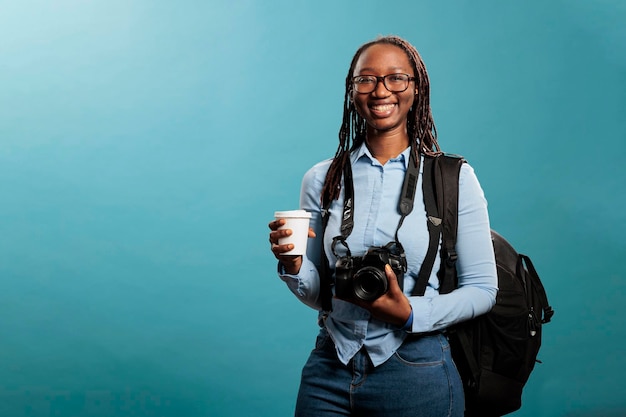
x: 420, y: 124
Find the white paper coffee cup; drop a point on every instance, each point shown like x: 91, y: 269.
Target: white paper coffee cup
x: 298, y: 222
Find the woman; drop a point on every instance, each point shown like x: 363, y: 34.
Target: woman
x: 388, y: 356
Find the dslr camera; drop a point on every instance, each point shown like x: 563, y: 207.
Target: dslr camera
x: 364, y: 278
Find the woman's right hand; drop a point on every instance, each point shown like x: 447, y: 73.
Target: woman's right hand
x: 291, y: 263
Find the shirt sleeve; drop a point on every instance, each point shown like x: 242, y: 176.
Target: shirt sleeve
x: 305, y: 285
x: 476, y: 267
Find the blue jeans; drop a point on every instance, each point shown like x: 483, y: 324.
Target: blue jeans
x: 419, y: 380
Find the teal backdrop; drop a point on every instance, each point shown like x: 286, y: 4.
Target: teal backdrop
x: 145, y: 145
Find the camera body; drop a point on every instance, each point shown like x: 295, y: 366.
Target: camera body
x: 364, y: 278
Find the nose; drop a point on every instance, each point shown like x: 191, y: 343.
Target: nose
x: 381, y: 89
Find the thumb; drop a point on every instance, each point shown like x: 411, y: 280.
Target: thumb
x: 392, y: 279
x: 391, y: 276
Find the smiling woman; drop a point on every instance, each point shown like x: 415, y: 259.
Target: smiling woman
x: 379, y: 345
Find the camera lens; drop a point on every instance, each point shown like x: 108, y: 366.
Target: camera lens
x: 369, y: 283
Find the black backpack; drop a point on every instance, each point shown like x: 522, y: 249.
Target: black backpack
x: 496, y: 352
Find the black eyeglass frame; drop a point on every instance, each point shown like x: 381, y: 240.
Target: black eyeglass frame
x: 382, y: 79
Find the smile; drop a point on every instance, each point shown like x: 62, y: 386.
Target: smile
x: 382, y: 107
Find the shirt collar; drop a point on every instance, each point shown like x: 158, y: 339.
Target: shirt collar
x: 363, y: 151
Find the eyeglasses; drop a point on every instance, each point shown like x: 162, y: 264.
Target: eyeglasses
x: 395, y: 83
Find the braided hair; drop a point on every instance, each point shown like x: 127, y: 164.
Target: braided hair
x: 420, y: 124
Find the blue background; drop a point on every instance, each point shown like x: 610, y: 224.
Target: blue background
x: 144, y: 146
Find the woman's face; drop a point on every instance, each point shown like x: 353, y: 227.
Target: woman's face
x: 382, y: 109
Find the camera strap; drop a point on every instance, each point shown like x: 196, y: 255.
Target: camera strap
x: 347, y: 224
x: 405, y: 205
x: 347, y: 217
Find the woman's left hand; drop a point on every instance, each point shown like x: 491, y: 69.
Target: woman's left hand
x: 393, y: 306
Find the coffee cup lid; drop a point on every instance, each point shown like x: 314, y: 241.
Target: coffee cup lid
x: 292, y: 213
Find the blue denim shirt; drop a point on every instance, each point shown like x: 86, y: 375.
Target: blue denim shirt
x: 377, y: 190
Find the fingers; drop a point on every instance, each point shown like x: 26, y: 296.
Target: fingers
x: 275, y: 224
x: 391, y: 276
x: 275, y: 236
x: 291, y: 263
x: 394, y: 287
x: 278, y: 250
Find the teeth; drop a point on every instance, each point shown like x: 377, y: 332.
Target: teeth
x: 383, y: 107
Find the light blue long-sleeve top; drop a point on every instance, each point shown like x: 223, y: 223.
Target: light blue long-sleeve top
x: 377, y: 190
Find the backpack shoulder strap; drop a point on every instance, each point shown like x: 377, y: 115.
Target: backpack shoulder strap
x: 446, y: 177
x: 440, y: 184
x: 433, y: 224
x: 545, y: 315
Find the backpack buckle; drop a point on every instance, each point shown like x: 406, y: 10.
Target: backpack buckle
x: 451, y: 258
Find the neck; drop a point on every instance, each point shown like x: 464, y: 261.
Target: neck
x: 386, y: 145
